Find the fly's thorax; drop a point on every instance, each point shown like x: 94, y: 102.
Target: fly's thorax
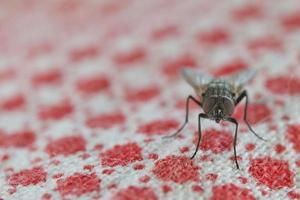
x: 218, y: 100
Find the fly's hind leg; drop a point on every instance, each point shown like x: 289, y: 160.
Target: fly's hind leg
x: 190, y: 97
x: 238, y: 100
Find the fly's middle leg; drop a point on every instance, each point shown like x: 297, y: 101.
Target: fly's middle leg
x: 190, y: 97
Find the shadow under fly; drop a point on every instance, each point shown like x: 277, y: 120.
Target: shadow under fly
x: 218, y: 98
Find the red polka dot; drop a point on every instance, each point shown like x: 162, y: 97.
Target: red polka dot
x: 231, y: 192
x: 121, y: 155
x: 28, y: 177
x: 265, y: 43
x: 106, y: 120
x: 144, y: 179
x: 12, y: 103
x: 283, y: 85
x: 20, y: 139
x: 256, y: 113
x: 153, y: 156
x: 181, y: 104
x: 205, y: 158
x: 80, y: 54
x: 108, y: 171
x: 98, y: 147
x: 55, y: 112
x: 171, y: 67
x: 66, y: 146
x: 135, y: 193
x: 46, y: 196
x: 178, y: 169
x: 85, y: 156
x: 78, y: 184
x: 130, y: 57
x: 285, y: 117
x: 88, y: 167
x: 293, y: 195
x: 272, y: 127
x: 212, y: 177
x: 293, y: 135
x: 232, y: 67
x: 214, y: 36
x: 298, y: 163
x: 158, y: 127
x: 250, y: 147
x: 56, y: 176
x: 279, y: 148
x: 246, y: 12
x: 112, y: 186
x: 166, y: 188
x: 55, y: 162
x: 138, y: 166
x: 239, y: 158
x: 264, y: 192
x: 184, y: 149
x: 93, y: 84
x: 291, y: 21
x: 142, y: 95
x: 243, y: 180
x: 197, y: 188
x: 4, y: 157
x: 164, y: 32
x: 108, y: 8
x: 215, y: 141
x: 271, y: 172
x: 49, y: 77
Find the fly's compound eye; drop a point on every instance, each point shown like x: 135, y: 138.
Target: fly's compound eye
x: 209, y: 104
x: 228, y: 106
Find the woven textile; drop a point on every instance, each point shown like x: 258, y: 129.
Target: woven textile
x: 89, y: 88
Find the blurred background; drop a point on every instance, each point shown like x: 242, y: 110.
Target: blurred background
x: 79, y: 78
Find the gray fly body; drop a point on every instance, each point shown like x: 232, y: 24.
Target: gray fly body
x: 218, y: 98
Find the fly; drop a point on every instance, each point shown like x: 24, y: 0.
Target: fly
x: 218, y: 98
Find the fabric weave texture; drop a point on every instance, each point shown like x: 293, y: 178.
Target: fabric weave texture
x: 89, y: 88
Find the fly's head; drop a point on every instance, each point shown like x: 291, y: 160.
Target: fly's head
x: 218, y: 108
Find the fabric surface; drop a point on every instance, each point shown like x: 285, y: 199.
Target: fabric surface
x: 89, y: 88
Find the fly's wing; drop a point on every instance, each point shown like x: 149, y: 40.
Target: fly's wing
x: 239, y: 79
x: 198, y: 80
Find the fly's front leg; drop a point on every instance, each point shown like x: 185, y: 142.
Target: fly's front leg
x: 201, y: 115
x: 238, y: 100
x: 235, y: 139
x: 190, y: 97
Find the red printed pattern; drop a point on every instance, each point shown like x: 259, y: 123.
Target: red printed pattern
x: 89, y: 90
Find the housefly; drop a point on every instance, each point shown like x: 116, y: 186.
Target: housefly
x: 218, y: 98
